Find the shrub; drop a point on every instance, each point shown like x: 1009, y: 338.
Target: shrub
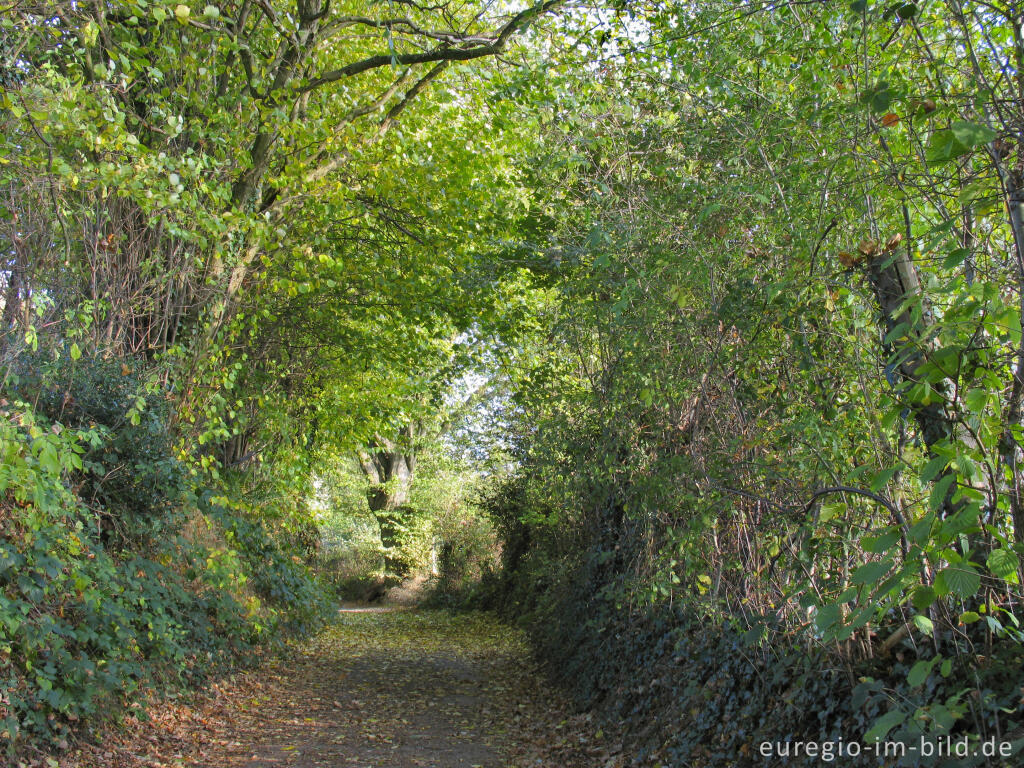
x: 131, y: 477
x: 88, y: 622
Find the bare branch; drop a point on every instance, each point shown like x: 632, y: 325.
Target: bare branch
x: 444, y: 52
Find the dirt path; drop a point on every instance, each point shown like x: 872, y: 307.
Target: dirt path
x: 383, y: 689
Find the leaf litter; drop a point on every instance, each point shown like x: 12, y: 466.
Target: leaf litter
x: 376, y: 689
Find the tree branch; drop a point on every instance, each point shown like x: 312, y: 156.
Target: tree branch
x: 517, y: 23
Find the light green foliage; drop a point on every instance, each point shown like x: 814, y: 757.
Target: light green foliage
x: 744, y: 283
x: 727, y: 407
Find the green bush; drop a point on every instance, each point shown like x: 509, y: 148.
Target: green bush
x: 131, y: 476
x: 692, y: 687
x: 277, y: 572
x: 467, y: 559
x: 89, y: 624
x: 350, y: 558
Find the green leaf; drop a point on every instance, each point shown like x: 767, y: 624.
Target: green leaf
x: 831, y: 510
x: 923, y: 598
x: 879, y: 97
x: 181, y: 13
x: 1003, y: 563
x: 49, y: 459
x: 933, y: 468
x: 962, y: 581
x: 943, y: 147
x: 881, y: 479
x: 956, y: 141
x: 884, y: 542
x: 883, y: 725
x: 955, y: 258
x: 870, y: 573
x: 971, y: 135
x: 826, y: 617
x: 920, y: 671
x: 969, y: 617
x: 921, y: 530
x: 924, y: 624
x: 75, y: 351
x: 976, y: 400
x: 1011, y: 323
x: 940, y: 491
x: 90, y: 32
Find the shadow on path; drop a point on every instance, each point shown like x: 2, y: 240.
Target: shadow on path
x: 387, y: 688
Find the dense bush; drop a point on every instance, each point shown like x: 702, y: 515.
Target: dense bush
x: 693, y: 687
x: 132, y: 478
x: 277, y: 574
x: 96, y: 609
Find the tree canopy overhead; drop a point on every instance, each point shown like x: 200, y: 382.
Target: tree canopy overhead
x: 742, y: 283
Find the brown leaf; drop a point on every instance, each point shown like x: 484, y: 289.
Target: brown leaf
x: 868, y: 247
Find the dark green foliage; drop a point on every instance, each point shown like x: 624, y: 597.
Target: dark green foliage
x: 692, y: 687
x: 705, y: 690
x: 85, y: 631
x: 89, y: 624
x: 132, y: 478
x: 278, y: 575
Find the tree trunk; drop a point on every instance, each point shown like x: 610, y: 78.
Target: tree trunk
x: 894, y: 279
x: 388, y: 466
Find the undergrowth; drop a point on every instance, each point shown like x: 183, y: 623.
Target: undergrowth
x: 118, y: 579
